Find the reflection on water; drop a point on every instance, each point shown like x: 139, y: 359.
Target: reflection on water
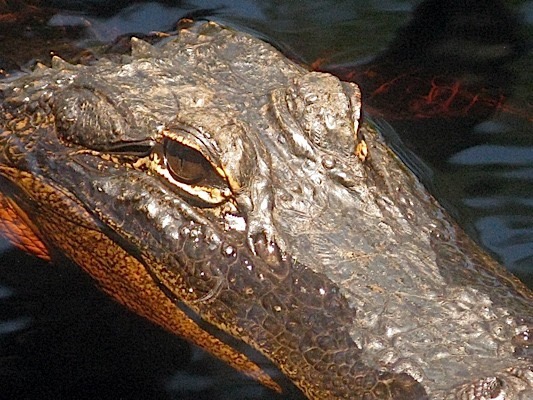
x: 494, y: 194
x: 509, y: 235
x: 61, y: 338
x: 487, y: 155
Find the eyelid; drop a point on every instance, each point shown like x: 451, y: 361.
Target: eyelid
x: 138, y: 149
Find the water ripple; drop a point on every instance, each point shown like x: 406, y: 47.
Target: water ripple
x: 14, y: 325
x: 494, y: 155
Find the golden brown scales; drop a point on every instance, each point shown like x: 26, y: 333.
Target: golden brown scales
x: 116, y: 272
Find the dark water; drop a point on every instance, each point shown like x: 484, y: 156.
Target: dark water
x: 61, y: 338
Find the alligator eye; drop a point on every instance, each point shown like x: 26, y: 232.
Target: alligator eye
x: 190, y: 172
x: 186, y: 164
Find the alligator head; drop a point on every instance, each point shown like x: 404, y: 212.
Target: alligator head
x: 211, y: 178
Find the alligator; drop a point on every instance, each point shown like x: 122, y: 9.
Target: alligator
x: 215, y: 187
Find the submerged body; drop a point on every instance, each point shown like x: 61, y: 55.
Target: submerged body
x: 212, y: 177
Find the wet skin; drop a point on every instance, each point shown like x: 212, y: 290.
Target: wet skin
x: 211, y: 177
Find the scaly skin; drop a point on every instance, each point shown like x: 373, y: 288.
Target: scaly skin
x: 210, y: 175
